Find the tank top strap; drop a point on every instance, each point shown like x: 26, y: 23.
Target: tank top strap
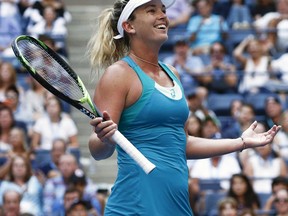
x: 142, y: 76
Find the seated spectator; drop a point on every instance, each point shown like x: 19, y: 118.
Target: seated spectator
x: 205, y: 28
x: 80, y: 207
x: 17, y: 145
x: 8, y: 77
x: 197, y: 106
x: 220, y: 73
x: 281, y: 202
x: 194, y: 126
x: 55, y: 187
x: 20, y: 111
x: 70, y: 196
x: 59, y: 125
x: 274, y: 27
x: 10, y: 29
x: 6, y: 125
x: 243, y: 192
x: 187, y: 65
x: 21, y: 179
x: 255, y: 64
x: 50, y: 25
x: 263, y: 166
x: 239, y: 16
x: 11, y: 203
x: 273, y: 111
x: 227, y: 206
x: 88, y: 191
x: 51, y: 169
x: 234, y: 108
x: 36, y: 12
x: 245, y: 117
x: 278, y: 183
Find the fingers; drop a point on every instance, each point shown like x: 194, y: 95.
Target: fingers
x: 104, y: 127
x: 274, y: 129
x: 253, y: 125
x: 106, y: 116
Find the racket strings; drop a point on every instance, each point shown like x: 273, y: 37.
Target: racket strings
x: 55, y: 72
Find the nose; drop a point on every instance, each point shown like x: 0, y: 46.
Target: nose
x: 162, y: 14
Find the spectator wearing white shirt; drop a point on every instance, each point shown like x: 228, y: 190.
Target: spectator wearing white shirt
x: 278, y: 23
x: 55, y: 124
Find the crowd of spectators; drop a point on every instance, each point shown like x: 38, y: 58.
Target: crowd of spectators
x: 237, y: 48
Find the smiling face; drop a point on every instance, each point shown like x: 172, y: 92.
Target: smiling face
x: 150, y: 23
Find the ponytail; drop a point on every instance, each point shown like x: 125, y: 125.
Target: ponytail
x: 103, y: 49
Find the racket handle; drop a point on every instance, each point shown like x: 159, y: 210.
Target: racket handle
x: 133, y: 152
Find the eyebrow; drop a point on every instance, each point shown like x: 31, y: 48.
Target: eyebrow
x: 153, y: 5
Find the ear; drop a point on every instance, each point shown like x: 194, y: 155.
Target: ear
x: 128, y: 27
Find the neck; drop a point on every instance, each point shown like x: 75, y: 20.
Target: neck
x: 155, y: 64
x: 19, y: 181
x: 54, y: 118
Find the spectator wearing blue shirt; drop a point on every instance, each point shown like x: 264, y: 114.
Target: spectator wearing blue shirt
x: 205, y: 28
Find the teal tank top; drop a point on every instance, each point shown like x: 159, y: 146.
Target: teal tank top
x: 155, y: 125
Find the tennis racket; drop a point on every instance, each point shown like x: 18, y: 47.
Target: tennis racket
x: 51, y: 71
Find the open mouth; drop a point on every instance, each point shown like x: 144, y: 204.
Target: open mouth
x: 162, y: 27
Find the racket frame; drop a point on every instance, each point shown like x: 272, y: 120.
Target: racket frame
x: 125, y: 144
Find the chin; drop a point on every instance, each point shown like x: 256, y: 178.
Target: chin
x: 163, y: 38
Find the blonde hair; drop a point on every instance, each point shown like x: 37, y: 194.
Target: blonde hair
x: 103, y: 49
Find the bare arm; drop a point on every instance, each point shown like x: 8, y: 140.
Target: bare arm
x: 238, y: 52
x: 198, y: 148
x: 111, y: 96
x: 100, y: 146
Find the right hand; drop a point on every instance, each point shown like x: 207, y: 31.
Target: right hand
x: 104, y: 127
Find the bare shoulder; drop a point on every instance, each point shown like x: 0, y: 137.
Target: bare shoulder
x: 113, y: 91
x: 117, y: 72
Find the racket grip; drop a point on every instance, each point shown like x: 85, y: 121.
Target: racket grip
x: 133, y: 152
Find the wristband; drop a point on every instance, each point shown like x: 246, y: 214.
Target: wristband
x: 244, y: 144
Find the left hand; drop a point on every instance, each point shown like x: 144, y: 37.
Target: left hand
x: 253, y: 139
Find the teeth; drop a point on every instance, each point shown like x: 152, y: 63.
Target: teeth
x: 161, y: 27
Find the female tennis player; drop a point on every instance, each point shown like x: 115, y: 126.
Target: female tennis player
x: 144, y: 99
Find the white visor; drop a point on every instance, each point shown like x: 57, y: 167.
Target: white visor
x: 128, y: 10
